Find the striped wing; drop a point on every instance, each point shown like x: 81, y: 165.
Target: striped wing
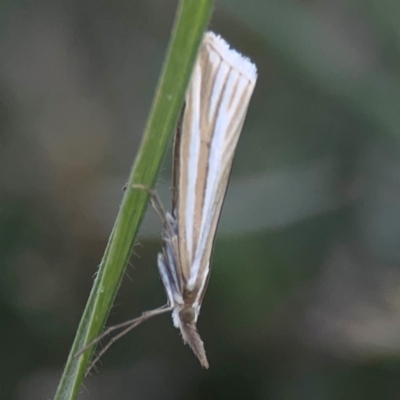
x: 216, y: 104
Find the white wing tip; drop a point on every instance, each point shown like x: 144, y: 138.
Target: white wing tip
x: 233, y: 57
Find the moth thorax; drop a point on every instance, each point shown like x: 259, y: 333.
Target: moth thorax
x: 187, y: 315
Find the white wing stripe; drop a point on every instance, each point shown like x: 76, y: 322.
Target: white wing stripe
x: 216, y: 166
x: 215, y: 59
x: 194, y: 149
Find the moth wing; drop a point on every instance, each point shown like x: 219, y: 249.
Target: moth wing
x: 216, y: 104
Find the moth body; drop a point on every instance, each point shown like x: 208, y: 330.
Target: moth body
x: 217, y: 98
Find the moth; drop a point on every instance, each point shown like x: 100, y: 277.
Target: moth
x: 217, y: 99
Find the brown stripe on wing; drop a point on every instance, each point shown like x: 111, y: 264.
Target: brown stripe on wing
x: 175, y: 163
x: 222, y: 180
x: 183, y: 181
x: 207, y: 131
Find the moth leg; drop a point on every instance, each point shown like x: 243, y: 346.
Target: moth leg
x: 131, y: 324
x: 156, y: 202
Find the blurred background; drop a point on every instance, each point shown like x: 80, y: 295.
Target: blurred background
x: 304, y: 296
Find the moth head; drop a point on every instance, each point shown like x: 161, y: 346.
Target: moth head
x: 187, y: 315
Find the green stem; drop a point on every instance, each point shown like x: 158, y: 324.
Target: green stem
x: 191, y: 21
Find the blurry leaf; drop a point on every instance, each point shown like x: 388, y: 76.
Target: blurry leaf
x: 325, y: 56
x: 385, y: 14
